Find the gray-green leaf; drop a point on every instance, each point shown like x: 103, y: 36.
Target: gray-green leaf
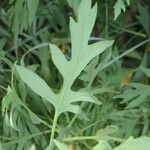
x: 82, y: 53
x: 102, y: 145
x: 146, y: 71
x: 37, y: 84
x: 135, y: 144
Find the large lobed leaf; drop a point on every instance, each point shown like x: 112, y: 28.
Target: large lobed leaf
x: 82, y: 54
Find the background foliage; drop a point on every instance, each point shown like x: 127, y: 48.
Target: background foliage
x: 118, y: 78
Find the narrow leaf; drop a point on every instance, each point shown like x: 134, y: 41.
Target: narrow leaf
x: 37, y: 84
x: 119, y: 5
x: 146, y: 71
x: 32, y: 7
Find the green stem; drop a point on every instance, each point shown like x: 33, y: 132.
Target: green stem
x: 89, y: 126
x: 53, y: 130
x: 129, y: 31
x: 72, y: 120
x: 106, y: 18
x: 74, y: 117
x: 32, y: 49
x: 80, y: 138
x: 42, y: 121
x: 70, y: 139
x: 7, y: 61
x: 126, y: 53
x: 16, y: 54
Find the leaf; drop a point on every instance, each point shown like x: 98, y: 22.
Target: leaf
x: 119, y: 5
x: 82, y: 54
x: 95, y: 67
x: 136, y: 95
x: 32, y: 147
x: 10, y: 103
x: 32, y: 7
x: 22, y: 14
x: 12, y: 100
x: 74, y: 5
x: 2, y: 44
x: 135, y: 144
x: 102, y: 145
x: 6, y: 100
x: 105, y: 133
x: 128, y: 2
x: 61, y: 146
x: 89, y: 70
x: 16, y: 20
x: 37, y: 84
x: 146, y: 71
x: 144, y: 17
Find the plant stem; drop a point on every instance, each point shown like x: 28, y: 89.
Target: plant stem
x: 70, y: 139
x: 126, y: 53
x: 53, y: 130
x: 30, y: 50
x: 129, y: 31
x: 106, y: 18
x: 16, y: 54
x: 74, y: 117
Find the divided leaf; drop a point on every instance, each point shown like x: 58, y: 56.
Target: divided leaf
x: 136, y: 95
x: 119, y: 5
x: 82, y: 53
x: 137, y: 92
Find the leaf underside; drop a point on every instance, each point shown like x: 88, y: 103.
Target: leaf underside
x: 82, y: 54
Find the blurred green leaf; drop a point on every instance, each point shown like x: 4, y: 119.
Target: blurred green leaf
x: 119, y: 5
x: 135, y: 144
x: 144, y: 17
x: 146, y: 71
x: 60, y: 145
x: 102, y: 145
x: 135, y: 95
x: 32, y: 8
